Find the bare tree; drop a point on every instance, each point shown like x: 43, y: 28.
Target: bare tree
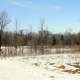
x: 4, y: 21
x: 31, y: 39
x: 22, y: 42
x: 42, y: 37
x: 15, y: 38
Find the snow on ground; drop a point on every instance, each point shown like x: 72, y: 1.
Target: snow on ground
x: 42, y: 67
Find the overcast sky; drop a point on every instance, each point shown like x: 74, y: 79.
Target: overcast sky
x: 59, y: 15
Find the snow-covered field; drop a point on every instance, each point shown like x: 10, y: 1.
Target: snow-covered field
x: 42, y: 67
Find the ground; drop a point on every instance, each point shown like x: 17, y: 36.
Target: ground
x: 42, y: 67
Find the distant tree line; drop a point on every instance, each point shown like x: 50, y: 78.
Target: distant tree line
x: 42, y: 37
x: 39, y: 38
x: 36, y: 40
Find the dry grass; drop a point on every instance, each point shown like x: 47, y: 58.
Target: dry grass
x: 61, y: 67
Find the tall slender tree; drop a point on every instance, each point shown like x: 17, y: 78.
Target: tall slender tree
x: 42, y: 36
x: 15, y: 37
x: 4, y: 21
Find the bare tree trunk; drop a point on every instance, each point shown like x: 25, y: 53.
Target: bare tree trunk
x: 42, y: 38
x: 16, y: 40
x: 31, y: 44
x: 3, y: 23
x: 0, y: 40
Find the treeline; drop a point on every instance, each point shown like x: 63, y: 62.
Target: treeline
x: 37, y: 41
x: 39, y: 38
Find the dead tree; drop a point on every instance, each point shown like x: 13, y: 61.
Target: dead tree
x: 15, y: 39
x: 31, y: 42
x: 42, y: 38
x: 4, y: 21
x: 22, y: 42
